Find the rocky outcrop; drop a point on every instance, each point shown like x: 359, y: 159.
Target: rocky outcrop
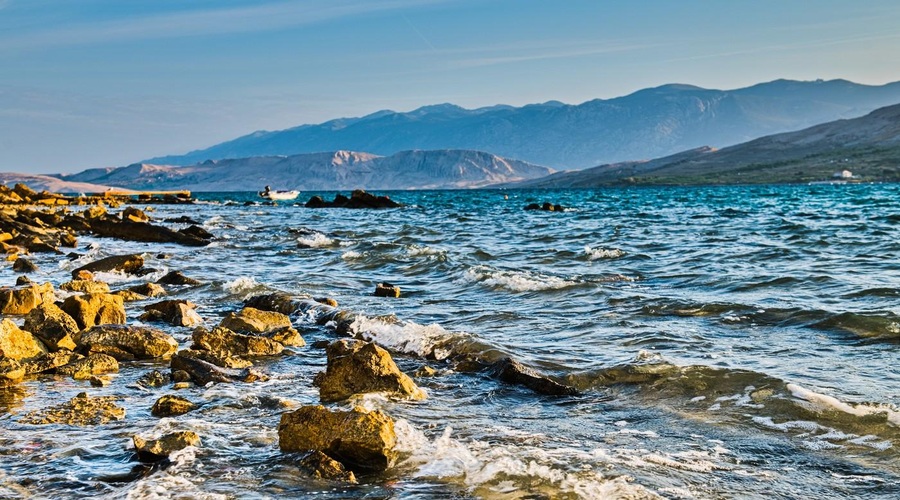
x: 175, y: 312
x: 155, y: 450
x: 95, y: 309
x: 125, y: 342
x: 171, y: 406
x: 226, y: 342
x: 357, y: 199
x: 252, y: 320
x: 359, y: 439
x: 22, y: 299
x: 203, y: 372
x: 356, y: 367
x: 17, y: 344
x: 127, y: 264
x: 142, y: 231
x: 85, y: 368
x: 81, y: 410
x: 512, y: 372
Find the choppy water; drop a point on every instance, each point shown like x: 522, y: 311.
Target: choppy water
x: 727, y: 342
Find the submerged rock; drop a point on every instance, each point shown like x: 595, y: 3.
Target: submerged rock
x: 95, y: 309
x: 127, y: 264
x: 128, y: 342
x: 277, y: 301
x: 387, y: 290
x: 81, y: 410
x: 174, y: 312
x: 512, y: 372
x: 321, y: 466
x: 170, y: 406
x: 546, y: 206
x: 176, y: 278
x: 153, y: 378
x: 85, y: 368
x: 203, y: 372
x: 356, y: 367
x: 360, y: 439
x: 148, y: 290
x: 155, y: 450
x: 51, y: 361
x: 17, y: 344
x: 218, y: 359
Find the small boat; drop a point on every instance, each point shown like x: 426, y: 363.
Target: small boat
x: 269, y: 194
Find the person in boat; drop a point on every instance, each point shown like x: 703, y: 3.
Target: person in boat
x: 267, y: 190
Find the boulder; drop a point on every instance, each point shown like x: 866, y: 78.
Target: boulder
x: 94, y: 212
x: 81, y: 410
x: 53, y: 326
x: 11, y: 371
x: 320, y: 466
x: 51, y: 361
x: 22, y: 299
x: 277, y: 301
x: 197, y: 231
x: 85, y: 286
x: 134, y: 215
x: 153, y: 378
x: 203, y: 372
x: 218, y: 359
x: 129, y: 296
x: 148, y: 290
x: 138, y: 342
x: 83, y: 274
x: 512, y: 372
x: 252, y: 320
x: 85, y: 368
x: 155, y: 450
x: 359, y: 439
x: 226, y: 342
x: 356, y: 367
x: 127, y: 264
x: 23, y: 265
x: 357, y: 199
x: 546, y: 206
x: 176, y: 278
x: 142, y: 231
x: 170, y: 406
x: 17, y: 344
x: 95, y: 309
x: 287, y: 336
x: 387, y: 290
x: 174, y: 312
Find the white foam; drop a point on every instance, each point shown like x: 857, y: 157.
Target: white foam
x: 602, y: 253
x: 515, y: 281
x: 407, y: 337
x: 316, y: 240
x: 824, y: 402
x: 416, y: 251
x: 239, y: 285
x: 351, y: 255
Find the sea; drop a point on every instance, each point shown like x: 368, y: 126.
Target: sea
x: 725, y: 342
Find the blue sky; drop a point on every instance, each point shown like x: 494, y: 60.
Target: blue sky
x: 100, y: 83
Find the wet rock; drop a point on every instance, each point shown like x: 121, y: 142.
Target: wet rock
x: 224, y: 341
x: 286, y: 336
x: 218, y: 359
x: 94, y: 212
x: 425, y: 371
x: 23, y: 265
x: 139, y: 342
x: 23, y: 280
x: 357, y: 199
x: 174, y: 312
x: 153, y: 378
x: 142, y: 231
x: 11, y: 372
x: 176, y: 278
x: 197, y: 232
x: 85, y: 286
x: 85, y: 368
x: 252, y: 320
x: 51, y: 361
x: 546, y: 206
x: 512, y: 372
x: 184, y: 219
x: 127, y: 264
x: 278, y: 302
x: 22, y: 299
x: 99, y: 381
x: 321, y: 466
x: 155, y: 450
x: 203, y: 372
x: 328, y: 301
x: 387, y: 290
x: 95, y: 309
x: 129, y: 296
x: 170, y: 406
x: 83, y: 274
x: 81, y: 410
x: 148, y: 289
x: 359, y: 439
x: 17, y: 344
x: 53, y: 326
x: 356, y: 367
x: 134, y: 215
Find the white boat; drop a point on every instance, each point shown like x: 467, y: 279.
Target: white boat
x: 269, y: 194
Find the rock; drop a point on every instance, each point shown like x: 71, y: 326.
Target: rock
x: 321, y: 466
x: 17, y: 344
x: 23, y: 280
x: 154, y: 378
x: 129, y: 296
x: 99, y: 381
x: 170, y: 406
x: 547, y: 207
x: 513, y: 372
x: 358, y: 438
x: 81, y: 410
x: 134, y: 215
x: 224, y: 341
x: 94, y: 212
x: 51, y: 361
x: 11, y: 371
x: 328, y: 301
x: 22, y: 299
x: 158, y: 449
x: 140, y: 342
x: 85, y: 286
x: 180, y: 377
x: 176, y: 278
x: 387, y: 290
x: 142, y: 231
x: 358, y: 199
x: 83, y: 274
x: 23, y: 265
x: 356, y: 367
x: 197, y: 232
x: 53, y: 326
x: 286, y: 336
x: 95, y: 309
x: 148, y: 290
x: 425, y: 371
x: 127, y: 264
x: 278, y: 302
x: 184, y: 219
x: 219, y: 359
x: 203, y: 372
x: 174, y: 312
x: 252, y: 320
x: 95, y: 364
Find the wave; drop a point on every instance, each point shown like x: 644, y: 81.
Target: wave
x: 602, y: 253
x: 516, y: 281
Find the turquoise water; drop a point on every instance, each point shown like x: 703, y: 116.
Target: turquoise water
x: 726, y: 342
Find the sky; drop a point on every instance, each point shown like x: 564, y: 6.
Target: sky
x: 105, y: 83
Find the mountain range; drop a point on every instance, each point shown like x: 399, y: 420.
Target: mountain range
x: 649, y: 123
x: 868, y: 147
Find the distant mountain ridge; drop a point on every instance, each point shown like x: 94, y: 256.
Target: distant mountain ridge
x: 339, y: 170
x: 649, y: 123
x: 868, y: 147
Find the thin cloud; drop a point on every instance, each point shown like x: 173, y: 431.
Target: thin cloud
x: 260, y: 18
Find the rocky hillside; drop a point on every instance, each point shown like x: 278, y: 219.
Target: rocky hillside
x: 868, y: 146
x: 447, y: 169
x: 49, y: 183
x: 646, y: 124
